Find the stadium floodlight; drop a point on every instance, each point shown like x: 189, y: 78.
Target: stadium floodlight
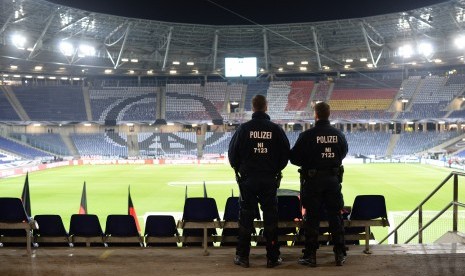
x: 363, y: 60
x: 150, y: 72
x: 130, y: 124
x: 36, y: 125
x: 41, y: 77
x: 13, y: 67
x: 441, y: 122
x: 19, y: 41
x: 76, y: 78
x: 170, y: 124
x: 66, y: 48
x: 108, y: 71
x: 87, y: 124
x: 64, y: 78
x: 210, y: 123
x: 349, y: 60
x: 194, y: 125
x: 437, y: 60
x: 291, y: 123
x: 38, y: 68
x: 304, y: 62
x: 28, y: 77
x: 425, y: 49
x: 52, y: 78
x: 370, y: 65
x: 290, y: 63
x: 459, y: 41
x: 176, y: 63
x: 404, y: 100
x: 280, y: 69
x: 303, y: 68
x: 172, y: 72
x: 234, y: 103
x: 190, y: 63
x: 5, y: 75
x: 131, y: 72
x: 406, y: 51
x: 86, y: 50
x: 134, y: 60
x: 347, y: 66
x: 124, y: 59
x: 16, y: 76
x: 372, y: 123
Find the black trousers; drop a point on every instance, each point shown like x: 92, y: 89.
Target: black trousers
x: 254, y: 190
x: 323, y: 193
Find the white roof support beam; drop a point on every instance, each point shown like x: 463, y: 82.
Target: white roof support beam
x: 317, y: 50
x: 168, y: 42
x: 41, y: 37
x: 72, y: 24
x: 8, y: 21
x: 365, y: 36
x: 126, y: 34
x: 215, y: 50
x: 265, y: 50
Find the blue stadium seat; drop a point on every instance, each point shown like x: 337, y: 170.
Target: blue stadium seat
x: 12, y: 213
x: 86, y: 230
x: 160, y: 230
x: 199, y: 209
x: 121, y: 230
x: 51, y: 231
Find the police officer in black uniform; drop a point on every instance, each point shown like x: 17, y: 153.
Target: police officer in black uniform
x: 258, y: 151
x: 319, y: 152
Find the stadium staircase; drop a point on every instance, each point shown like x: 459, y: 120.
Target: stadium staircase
x: 69, y: 144
x: 133, y: 145
x: 15, y: 103
x: 392, y: 144
x: 86, y: 95
x: 417, y: 216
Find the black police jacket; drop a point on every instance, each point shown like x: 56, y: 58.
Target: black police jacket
x: 321, y: 147
x: 259, y: 147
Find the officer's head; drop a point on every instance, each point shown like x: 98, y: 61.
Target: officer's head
x: 259, y: 103
x: 322, y: 111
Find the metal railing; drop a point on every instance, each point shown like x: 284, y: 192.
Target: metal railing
x: 454, y: 204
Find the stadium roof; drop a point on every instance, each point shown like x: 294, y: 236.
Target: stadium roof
x: 39, y: 37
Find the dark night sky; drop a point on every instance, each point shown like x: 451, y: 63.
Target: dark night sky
x: 236, y: 12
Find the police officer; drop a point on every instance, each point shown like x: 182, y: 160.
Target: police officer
x: 258, y: 151
x: 319, y: 152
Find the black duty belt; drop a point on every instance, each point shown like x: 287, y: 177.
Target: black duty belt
x: 323, y: 172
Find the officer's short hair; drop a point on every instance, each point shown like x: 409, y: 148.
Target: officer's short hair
x: 322, y: 110
x: 259, y: 103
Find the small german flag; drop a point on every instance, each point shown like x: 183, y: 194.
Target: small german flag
x: 132, y: 210
x: 83, y: 207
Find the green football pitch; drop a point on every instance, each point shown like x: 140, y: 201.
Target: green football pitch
x: 162, y: 188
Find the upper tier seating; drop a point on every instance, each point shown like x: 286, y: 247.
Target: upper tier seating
x: 7, y: 112
x: 123, y: 104
x: 52, y: 103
